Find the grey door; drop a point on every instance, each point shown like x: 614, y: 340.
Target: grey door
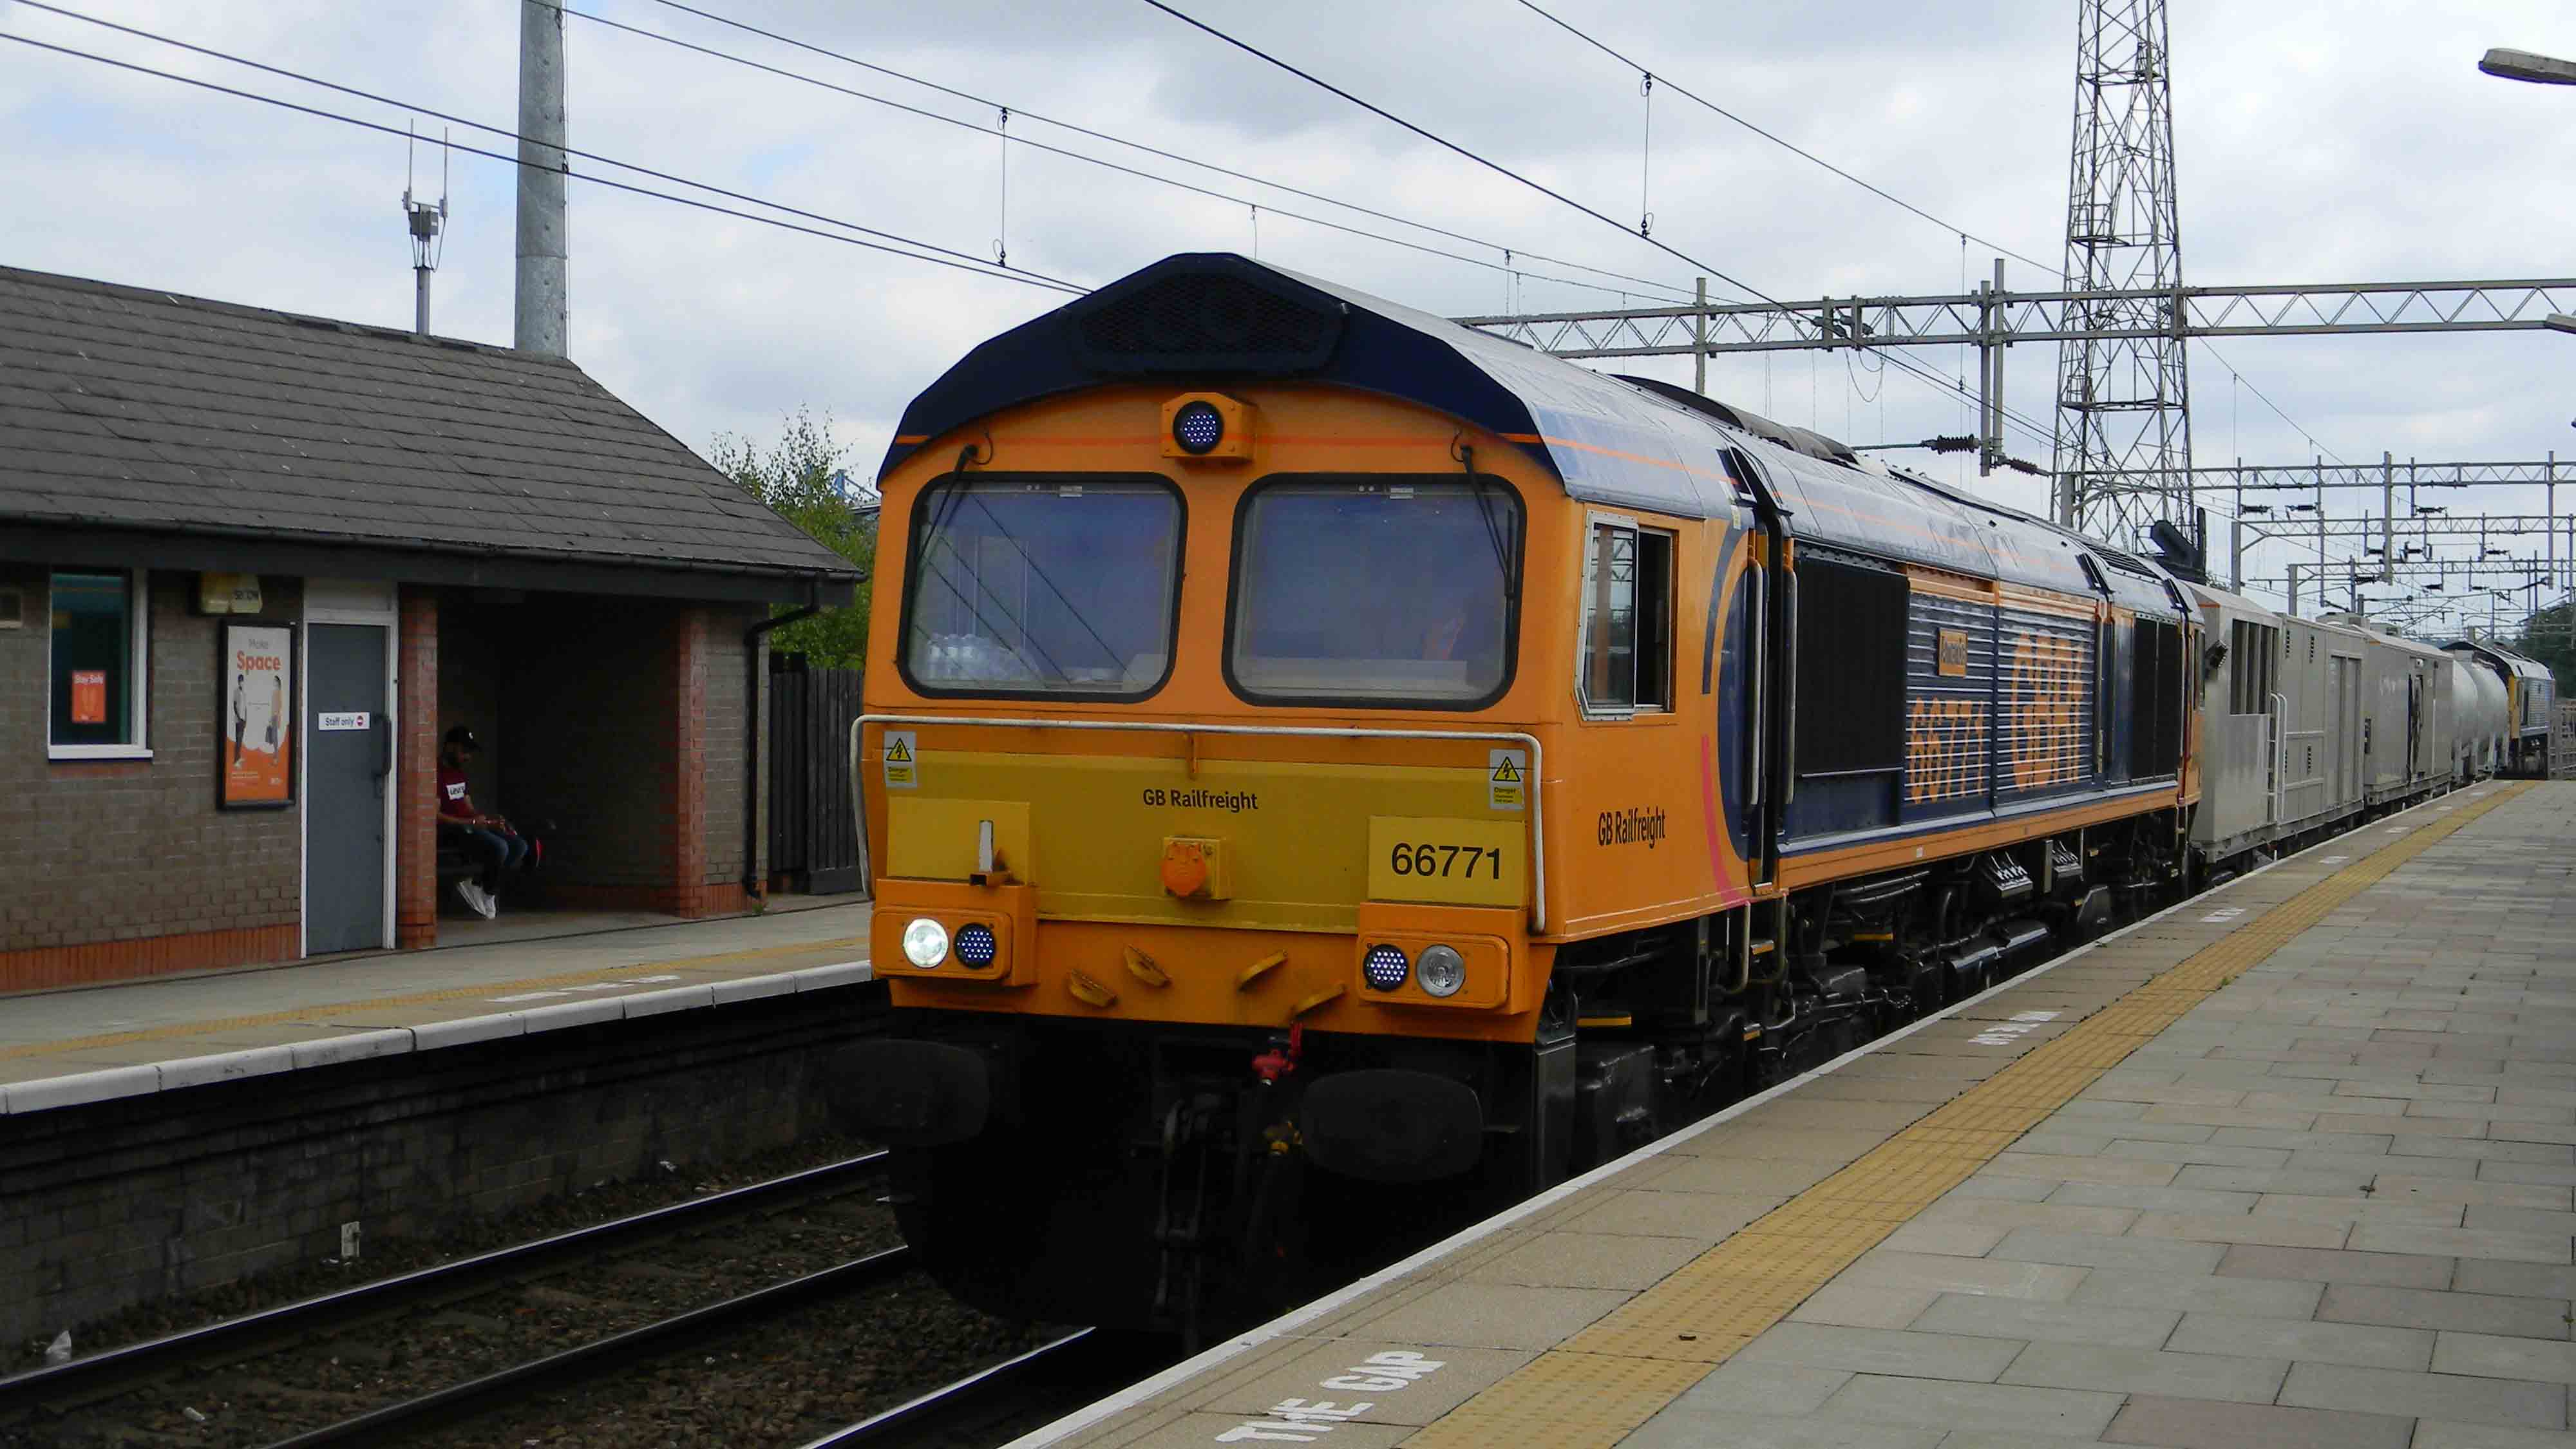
x: 348, y: 766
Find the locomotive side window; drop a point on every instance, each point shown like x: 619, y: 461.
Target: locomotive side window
x: 1375, y: 591
x: 1042, y: 587
x: 1627, y: 619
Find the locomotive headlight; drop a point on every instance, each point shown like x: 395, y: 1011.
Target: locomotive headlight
x: 1441, y: 970
x: 1198, y: 427
x: 1386, y: 967
x: 925, y: 942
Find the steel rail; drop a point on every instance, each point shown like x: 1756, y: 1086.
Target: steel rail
x: 612, y: 1352
x: 102, y: 1372
x: 1071, y: 1366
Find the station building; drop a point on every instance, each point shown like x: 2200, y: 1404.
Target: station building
x: 253, y: 565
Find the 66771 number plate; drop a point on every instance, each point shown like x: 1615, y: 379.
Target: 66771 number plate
x: 1447, y: 862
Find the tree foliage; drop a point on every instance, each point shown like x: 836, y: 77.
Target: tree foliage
x: 800, y: 476
x: 2550, y: 637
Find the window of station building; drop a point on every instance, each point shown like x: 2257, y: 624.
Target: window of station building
x: 1375, y: 591
x: 98, y: 669
x: 1851, y: 667
x: 1026, y: 587
x: 1627, y: 663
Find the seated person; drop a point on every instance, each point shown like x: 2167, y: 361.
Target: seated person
x: 487, y: 838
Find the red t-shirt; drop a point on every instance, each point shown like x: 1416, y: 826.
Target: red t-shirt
x: 453, y: 802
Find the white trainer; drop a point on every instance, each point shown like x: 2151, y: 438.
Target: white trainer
x: 485, y: 903
x: 466, y: 891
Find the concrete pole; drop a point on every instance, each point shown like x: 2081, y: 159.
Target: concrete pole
x: 1699, y: 342
x: 2294, y: 590
x: 541, y: 300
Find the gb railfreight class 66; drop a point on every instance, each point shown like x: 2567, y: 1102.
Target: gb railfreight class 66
x: 1318, y: 757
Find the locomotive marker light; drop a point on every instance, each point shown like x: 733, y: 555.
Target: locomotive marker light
x: 1387, y: 967
x: 977, y: 946
x: 1197, y: 427
x: 925, y: 942
x: 1207, y: 427
x: 1441, y: 970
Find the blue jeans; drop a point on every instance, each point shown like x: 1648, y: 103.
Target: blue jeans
x: 497, y: 850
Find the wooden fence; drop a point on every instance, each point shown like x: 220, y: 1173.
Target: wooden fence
x: 813, y: 839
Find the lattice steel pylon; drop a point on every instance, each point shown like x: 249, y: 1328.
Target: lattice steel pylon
x: 2123, y: 406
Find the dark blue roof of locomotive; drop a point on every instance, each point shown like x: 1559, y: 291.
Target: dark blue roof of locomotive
x: 1610, y: 441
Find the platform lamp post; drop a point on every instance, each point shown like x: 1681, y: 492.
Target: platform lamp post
x: 2543, y: 70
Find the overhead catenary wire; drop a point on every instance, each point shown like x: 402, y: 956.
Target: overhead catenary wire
x: 1545, y: 190
x: 1778, y: 140
x: 975, y: 267
x: 1512, y: 266
x: 1964, y: 235
x: 1022, y: 113
x: 967, y: 260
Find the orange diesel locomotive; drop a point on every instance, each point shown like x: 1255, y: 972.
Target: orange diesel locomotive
x: 1311, y: 747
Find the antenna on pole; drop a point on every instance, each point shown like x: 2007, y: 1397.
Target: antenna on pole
x: 428, y: 225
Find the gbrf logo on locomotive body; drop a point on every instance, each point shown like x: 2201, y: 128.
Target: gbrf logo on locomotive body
x: 2048, y: 691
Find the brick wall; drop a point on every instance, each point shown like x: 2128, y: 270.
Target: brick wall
x: 725, y: 729
x: 416, y: 773
x: 123, y: 868
x: 623, y: 722
x: 129, y: 1201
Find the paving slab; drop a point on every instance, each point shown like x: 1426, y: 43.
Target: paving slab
x: 2148, y: 1371
x: 2544, y: 1318
x: 2519, y: 1403
x: 1883, y: 1351
x: 2203, y: 1424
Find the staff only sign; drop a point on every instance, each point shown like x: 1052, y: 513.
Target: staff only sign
x: 257, y: 726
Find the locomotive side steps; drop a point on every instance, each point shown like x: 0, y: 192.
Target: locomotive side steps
x: 69, y: 1047
x: 2287, y: 1162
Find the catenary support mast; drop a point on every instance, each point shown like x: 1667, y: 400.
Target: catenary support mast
x: 2123, y: 404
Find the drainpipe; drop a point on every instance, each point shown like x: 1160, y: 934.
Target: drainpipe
x: 754, y: 885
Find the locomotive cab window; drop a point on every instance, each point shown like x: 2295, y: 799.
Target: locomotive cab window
x: 1033, y: 587
x: 1627, y: 663
x: 1375, y: 591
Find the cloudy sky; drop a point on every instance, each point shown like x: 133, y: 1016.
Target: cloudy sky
x: 2319, y: 142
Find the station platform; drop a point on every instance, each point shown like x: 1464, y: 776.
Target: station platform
x: 2287, y: 1164
x: 83, y: 1045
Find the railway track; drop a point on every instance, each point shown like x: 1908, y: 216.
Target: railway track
x: 608, y: 1355
x: 1020, y: 1393
x: 52, y: 1392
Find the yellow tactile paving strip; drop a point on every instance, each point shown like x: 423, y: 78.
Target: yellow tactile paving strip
x: 419, y: 998
x: 1606, y: 1380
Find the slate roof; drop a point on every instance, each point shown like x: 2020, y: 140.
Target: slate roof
x: 124, y: 407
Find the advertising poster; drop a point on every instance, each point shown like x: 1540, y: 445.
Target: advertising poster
x: 257, y: 724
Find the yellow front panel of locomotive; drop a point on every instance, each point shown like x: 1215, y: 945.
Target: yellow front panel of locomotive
x: 1445, y: 862
x: 1296, y: 835
x: 934, y: 839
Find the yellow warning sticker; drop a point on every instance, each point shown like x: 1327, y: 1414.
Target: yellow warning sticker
x: 902, y: 771
x: 1506, y: 779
